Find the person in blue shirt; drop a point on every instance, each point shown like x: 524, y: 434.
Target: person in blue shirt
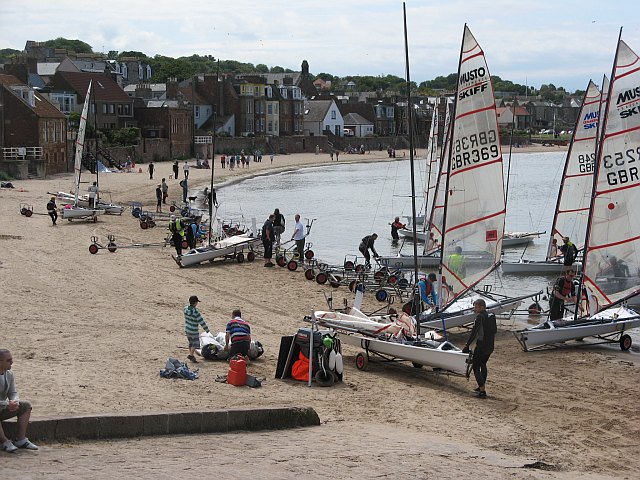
x: 428, y: 292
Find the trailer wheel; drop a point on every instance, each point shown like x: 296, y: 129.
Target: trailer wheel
x: 28, y: 213
x: 93, y: 249
x: 348, y: 265
x: 292, y: 266
x: 379, y: 275
x: 335, y: 283
x: 392, y: 280
x: 352, y: 286
x: 185, y: 244
x: 136, y: 211
x: 403, y: 283
x: 382, y: 295
x: 392, y: 311
x: 251, y: 256
x: 23, y: 211
x: 144, y: 225
x: 321, y: 278
x: 239, y: 257
x: 281, y: 261
x: 360, y: 268
x: 362, y: 362
x: 309, y: 254
x: 112, y: 247
x: 172, y: 208
x: 416, y: 365
x: 324, y: 378
x: 309, y: 274
x: 625, y: 342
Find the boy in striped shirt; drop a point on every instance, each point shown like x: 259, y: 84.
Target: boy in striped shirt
x: 239, y: 334
x: 192, y: 319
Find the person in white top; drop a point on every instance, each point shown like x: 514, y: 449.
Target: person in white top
x: 185, y: 168
x: 12, y: 406
x: 93, y: 194
x: 298, y: 236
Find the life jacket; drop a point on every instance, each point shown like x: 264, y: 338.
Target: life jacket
x: 564, y: 286
x: 176, y: 226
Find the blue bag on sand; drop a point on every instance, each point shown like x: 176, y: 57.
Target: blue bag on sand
x: 174, y: 368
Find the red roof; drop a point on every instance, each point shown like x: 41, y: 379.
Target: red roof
x: 42, y: 106
x: 104, y: 88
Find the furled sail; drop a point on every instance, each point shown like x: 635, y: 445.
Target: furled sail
x: 80, y: 141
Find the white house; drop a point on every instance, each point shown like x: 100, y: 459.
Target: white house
x: 321, y: 116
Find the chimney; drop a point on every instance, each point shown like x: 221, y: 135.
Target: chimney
x: 172, y: 88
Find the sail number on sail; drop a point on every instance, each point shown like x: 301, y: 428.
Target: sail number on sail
x: 620, y: 176
x: 469, y: 150
x: 586, y: 162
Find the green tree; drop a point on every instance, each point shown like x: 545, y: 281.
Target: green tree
x: 277, y: 69
x: 262, y: 68
x: 132, y: 53
x: 77, y: 46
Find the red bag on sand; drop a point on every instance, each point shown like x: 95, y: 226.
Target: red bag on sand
x: 300, y: 368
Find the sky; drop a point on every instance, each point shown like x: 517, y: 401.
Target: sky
x: 562, y: 42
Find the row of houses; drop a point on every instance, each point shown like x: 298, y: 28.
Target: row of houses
x: 37, y: 100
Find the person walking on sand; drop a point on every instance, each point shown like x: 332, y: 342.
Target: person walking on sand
x: 176, y: 227
x: 175, y: 170
x: 238, y: 335
x: 158, y: 198
x: 165, y: 191
x: 11, y: 406
x: 185, y: 169
x: 483, y: 332
x: 52, y: 210
x: 192, y: 320
x: 150, y: 169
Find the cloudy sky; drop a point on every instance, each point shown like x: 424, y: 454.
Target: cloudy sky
x: 564, y: 42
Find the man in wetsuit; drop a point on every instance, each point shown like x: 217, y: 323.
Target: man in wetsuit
x: 563, y: 290
x: 367, y: 244
x: 570, y: 252
x: 483, y: 332
x: 395, y: 226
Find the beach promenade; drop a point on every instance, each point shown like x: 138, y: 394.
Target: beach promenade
x: 89, y: 334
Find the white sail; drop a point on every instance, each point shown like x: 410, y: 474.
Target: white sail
x: 80, y: 141
x: 436, y: 213
x: 612, y: 271
x: 574, y: 197
x: 433, y: 163
x: 475, y: 201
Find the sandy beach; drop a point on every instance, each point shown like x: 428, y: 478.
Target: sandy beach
x: 89, y: 334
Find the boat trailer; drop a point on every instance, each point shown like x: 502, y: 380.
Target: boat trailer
x: 112, y: 246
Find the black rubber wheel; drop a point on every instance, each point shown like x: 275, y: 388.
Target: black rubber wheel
x: 625, y: 342
x: 251, y: 256
x: 23, y: 211
x: 185, y: 244
x: 321, y: 278
x: 309, y: 254
x: 239, y: 257
x: 403, y: 283
x: 292, y: 266
x: 144, y: 225
x: 112, y: 247
x: 93, y: 249
x: 379, y: 275
x: 348, y: 265
x: 28, y: 213
x: 392, y: 280
x: 172, y: 208
x: 324, y: 378
x: 281, y: 261
x: 362, y: 362
x: 360, y: 268
x: 382, y: 295
x: 416, y: 365
x: 136, y: 212
x: 352, y: 286
x: 309, y: 274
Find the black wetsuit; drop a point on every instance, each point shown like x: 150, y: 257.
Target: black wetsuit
x: 366, y: 244
x: 51, y: 210
x: 484, y: 331
x: 564, y: 287
x: 570, y: 252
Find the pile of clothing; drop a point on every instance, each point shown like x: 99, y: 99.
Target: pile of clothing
x: 174, y: 368
x: 212, y: 347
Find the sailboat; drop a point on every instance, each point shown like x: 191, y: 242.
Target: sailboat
x: 75, y: 211
x: 574, y: 196
x: 612, y: 239
x: 471, y: 220
x: 223, y: 247
x: 396, y: 338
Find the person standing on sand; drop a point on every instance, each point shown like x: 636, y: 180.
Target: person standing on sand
x: 238, y: 334
x: 150, y: 169
x: 158, y: 198
x: 175, y: 170
x: 337, y: 155
x: 271, y: 156
x: 298, y: 237
x: 185, y: 168
x: 192, y: 320
x: 12, y: 406
x: 52, y: 210
x: 483, y: 332
x: 185, y: 189
x: 165, y: 191
x: 563, y: 291
x: 267, y: 240
x: 278, y: 225
x: 367, y: 244
x: 93, y: 194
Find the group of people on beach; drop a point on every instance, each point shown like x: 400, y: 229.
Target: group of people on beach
x: 273, y: 228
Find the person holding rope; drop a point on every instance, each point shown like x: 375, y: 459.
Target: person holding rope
x: 367, y: 244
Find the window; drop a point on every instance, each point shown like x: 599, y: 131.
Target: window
x: 112, y: 108
x: 104, y: 108
x: 119, y: 109
x: 270, y: 126
x: 197, y: 111
x: 127, y: 109
x: 283, y: 92
x: 333, y: 114
x: 270, y: 110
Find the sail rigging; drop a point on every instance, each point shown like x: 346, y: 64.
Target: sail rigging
x: 80, y: 142
x: 574, y: 197
x: 475, y: 207
x: 612, y: 257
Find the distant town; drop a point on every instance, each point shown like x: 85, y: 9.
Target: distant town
x: 277, y: 110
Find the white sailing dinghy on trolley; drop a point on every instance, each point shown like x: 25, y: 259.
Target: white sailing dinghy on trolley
x: 397, y: 337
x: 574, y: 195
x: 612, y: 254
x: 470, y: 206
x: 73, y: 211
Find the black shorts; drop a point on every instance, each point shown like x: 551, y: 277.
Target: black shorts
x: 239, y: 348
